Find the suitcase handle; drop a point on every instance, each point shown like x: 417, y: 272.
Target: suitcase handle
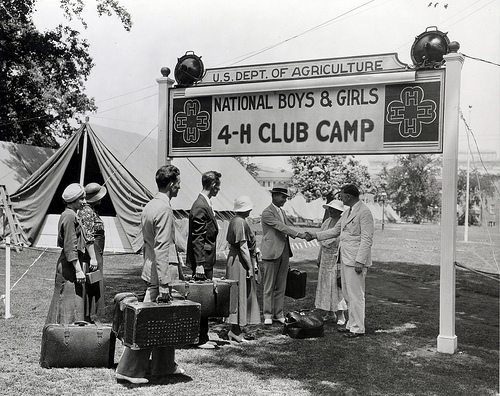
x: 81, y: 323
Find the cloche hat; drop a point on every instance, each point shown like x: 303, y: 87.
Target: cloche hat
x: 73, y: 192
x: 336, y: 204
x: 94, y: 192
x: 243, y: 204
x: 280, y: 188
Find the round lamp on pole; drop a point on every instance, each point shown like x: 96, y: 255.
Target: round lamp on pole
x: 189, y: 70
x: 429, y: 47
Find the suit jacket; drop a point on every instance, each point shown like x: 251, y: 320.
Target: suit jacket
x: 202, y: 235
x: 159, y: 250
x: 356, y: 235
x: 275, y: 233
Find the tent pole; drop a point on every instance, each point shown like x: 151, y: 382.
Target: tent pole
x: 84, y: 156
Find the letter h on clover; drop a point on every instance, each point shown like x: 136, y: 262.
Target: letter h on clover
x: 192, y: 121
x: 411, y: 111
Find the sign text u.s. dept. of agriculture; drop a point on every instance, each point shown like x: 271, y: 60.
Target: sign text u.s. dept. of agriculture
x: 303, y: 69
x: 362, y: 119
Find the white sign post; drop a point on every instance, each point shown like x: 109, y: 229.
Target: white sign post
x: 447, y: 340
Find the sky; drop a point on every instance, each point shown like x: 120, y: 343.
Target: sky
x: 237, y: 32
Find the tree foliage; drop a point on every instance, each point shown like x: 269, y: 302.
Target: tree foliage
x: 481, y: 190
x: 42, y: 74
x: 481, y: 187
x: 316, y: 176
x: 412, y: 187
x: 250, y: 167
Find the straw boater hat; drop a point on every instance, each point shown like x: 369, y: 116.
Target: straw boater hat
x: 336, y: 204
x: 73, y: 192
x: 242, y: 204
x: 94, y: 192
x: 280, y: 189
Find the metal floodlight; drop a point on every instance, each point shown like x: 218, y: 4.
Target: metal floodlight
x: 428, y: 49
x: 189, y: 70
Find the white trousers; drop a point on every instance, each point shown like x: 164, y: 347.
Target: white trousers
x: 353, y: 289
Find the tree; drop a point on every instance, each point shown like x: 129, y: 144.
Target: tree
x: 42, y: 75
x: 481, y: 188
x: 316, y: 176
x: 251, y: 168
x: 411, y: 186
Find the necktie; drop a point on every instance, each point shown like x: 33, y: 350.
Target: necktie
x: 282, y: 215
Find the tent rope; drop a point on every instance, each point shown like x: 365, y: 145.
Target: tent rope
x: 483, y: 273
x: 25, y: 272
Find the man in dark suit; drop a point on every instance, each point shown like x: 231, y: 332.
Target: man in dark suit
x: 276, y: 251
x: 202, y: 238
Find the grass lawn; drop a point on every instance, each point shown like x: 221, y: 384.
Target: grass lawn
x: 397, y: 356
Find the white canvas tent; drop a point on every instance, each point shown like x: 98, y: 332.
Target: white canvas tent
x: 298, y: 208
x: 126, y: 163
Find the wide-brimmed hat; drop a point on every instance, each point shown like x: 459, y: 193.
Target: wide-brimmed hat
x: 336, y: 204
x: 280, y: 189
x: 243, y: 204
x: 73, y: 192
x: 94, y: 192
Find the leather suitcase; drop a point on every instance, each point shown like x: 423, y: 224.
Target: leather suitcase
x: 296, y: 283
x: 80, y: 344
x: 218, y: 297
x: 119, y: 306
x: 151, y: 324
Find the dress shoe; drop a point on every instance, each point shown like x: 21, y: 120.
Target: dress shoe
x: 353, y: 335
x: 179, y: 371
x: 132, y: 380
x: 281, y: 320
x: 343, y: 330
x: 237, y: 338
x: 206, y: 345
x: 268, y: 321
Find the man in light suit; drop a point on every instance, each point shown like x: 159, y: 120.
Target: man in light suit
x: 159, y: 270
x: 276, y: 252
x: 356, y: 236
x: 202, y: 238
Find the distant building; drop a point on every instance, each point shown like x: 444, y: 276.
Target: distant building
x: 267, y: 176
x: 490, y: 159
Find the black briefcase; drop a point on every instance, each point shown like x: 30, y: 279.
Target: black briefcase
x: 80, y: 344
x: 296, y: 283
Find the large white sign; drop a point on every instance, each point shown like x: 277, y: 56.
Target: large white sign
x: 360, y: 119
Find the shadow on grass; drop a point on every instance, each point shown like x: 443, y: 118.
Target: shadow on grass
x: 398, y: 354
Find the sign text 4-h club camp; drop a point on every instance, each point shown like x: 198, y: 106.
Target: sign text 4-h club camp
x: 360, y: 105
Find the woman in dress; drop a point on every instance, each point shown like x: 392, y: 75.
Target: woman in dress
x: 68, y: 301
x: 93, y: 227
x: 242, y: 266
x: 329, y: 297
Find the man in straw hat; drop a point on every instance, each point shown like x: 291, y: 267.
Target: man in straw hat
x: 276, y: 252
x: 356, y: 237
